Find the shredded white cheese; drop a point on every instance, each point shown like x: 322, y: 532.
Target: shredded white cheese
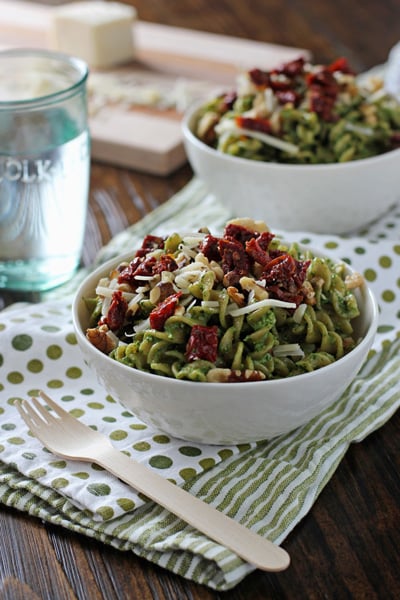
x: 128, y: 90
x: 193, y: 240
x: 210, y: 303
x: 359, y: 129
x: 142, y: 325
x: 144, y: 277
x: 299, y: 313
x: 260, y: 304
x: 134, y: 303
x: 187, y: 251
x: 106, y: 292
x: 288, y: 350
x: 227, y: 126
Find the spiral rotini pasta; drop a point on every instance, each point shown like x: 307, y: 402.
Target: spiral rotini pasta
x: 302, y: 113
x: 239, y: 307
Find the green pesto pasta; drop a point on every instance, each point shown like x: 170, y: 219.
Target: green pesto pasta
x: 303, y: 114
x: 237, y: 307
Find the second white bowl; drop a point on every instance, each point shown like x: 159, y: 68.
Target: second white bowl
x: 323, y: 198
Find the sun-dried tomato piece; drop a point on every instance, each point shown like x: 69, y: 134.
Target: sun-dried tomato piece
x: 284, y: 277
x: 279, y: 293
x: 292, y: 68
x: 229, y: 99
x: 163, y: 311
x: 239, y: 232
x: 130, y: 268
x: 150, y: 243
x: 166, y: 262
x: 257, y: 247
x: 116, y: 313
x: 254, y: 123
x: 202, y: 343
x: 340, y: 64
x: 323, y: 106
x: 236, y: 376
x: 280, y: 83
x: 257, y: 252
x: 324, y: 80
x: 323, y: 91
x: 209, y: 247
x: 233, y: 256
x: 259, y: 77
x: 395, y: 139
x: 264, y: 239
x: 279, y: 269
x: 235, y: 261
x: 146, y: 266
x: 137, y: 267
x: 301, y: 271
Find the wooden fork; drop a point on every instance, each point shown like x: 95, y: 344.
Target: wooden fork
x: 69, y: 438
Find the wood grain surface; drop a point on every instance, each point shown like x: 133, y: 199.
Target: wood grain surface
x: 348, y: 545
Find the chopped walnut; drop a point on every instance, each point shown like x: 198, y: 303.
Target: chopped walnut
x: 219, y: 375
x: 251, y: 224
x: 250, y: 285
x: 206, y: 124
x: 375, y: 83
x: 217, y: 270
x: 202, y: 259
x: 369, y: 112
x: 309, y: 293
x: 259, y: 108
x: 275, y: 122
x: 354, y: 280
x: 102, y: 338
x: 235, y: 295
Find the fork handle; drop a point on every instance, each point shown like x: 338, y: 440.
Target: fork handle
x: 250, y: 546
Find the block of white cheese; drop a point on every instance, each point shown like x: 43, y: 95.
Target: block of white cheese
x: 99, y: 32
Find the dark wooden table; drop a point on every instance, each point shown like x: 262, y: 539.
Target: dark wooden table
x: 348, y: 545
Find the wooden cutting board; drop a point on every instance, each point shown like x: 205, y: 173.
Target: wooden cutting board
x: 142, y: 137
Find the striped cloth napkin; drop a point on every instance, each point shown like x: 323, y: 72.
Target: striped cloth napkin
x: 268, y: 486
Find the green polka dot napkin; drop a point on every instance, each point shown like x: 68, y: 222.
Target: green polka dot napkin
x: 269, y: 486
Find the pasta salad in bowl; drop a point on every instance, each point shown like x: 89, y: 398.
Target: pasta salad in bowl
x: 224, y: 338
x: 302, y: 113
x: 308, y: 147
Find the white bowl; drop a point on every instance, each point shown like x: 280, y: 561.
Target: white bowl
x: 323, y: 198
x: 223, y: 413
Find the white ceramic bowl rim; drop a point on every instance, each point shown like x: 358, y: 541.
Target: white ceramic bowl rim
x: 188, y: 132
x: 208, y: 387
